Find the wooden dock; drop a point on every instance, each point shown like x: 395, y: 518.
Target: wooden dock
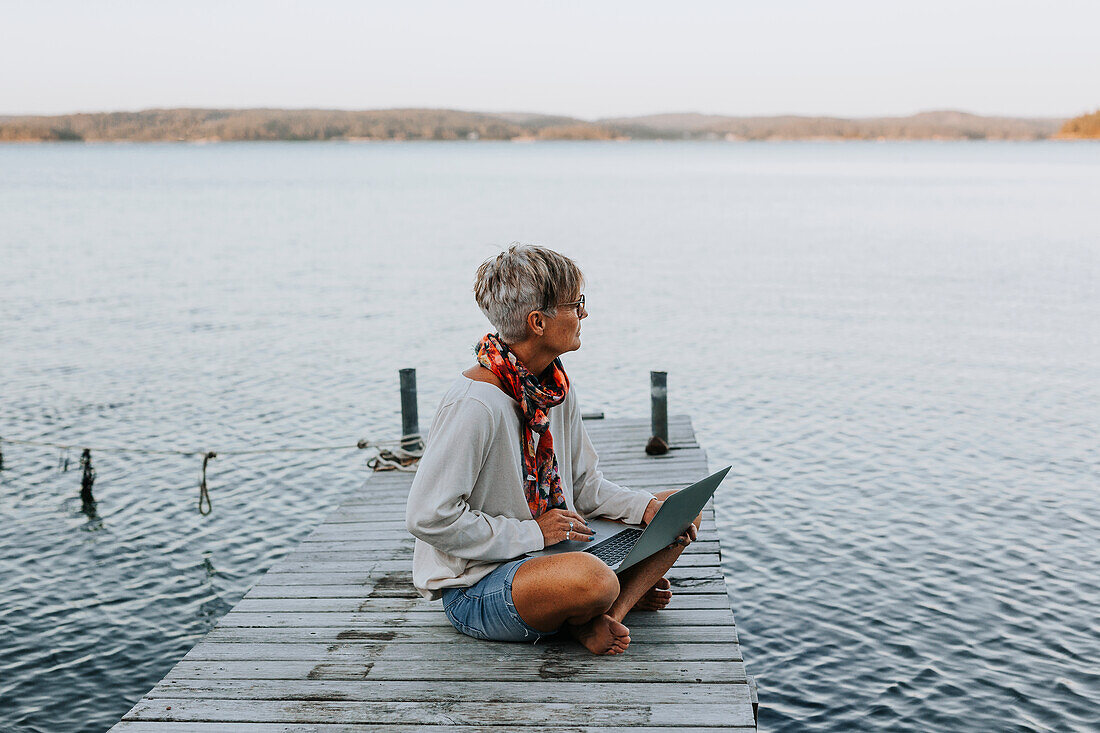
x: 335, y: 638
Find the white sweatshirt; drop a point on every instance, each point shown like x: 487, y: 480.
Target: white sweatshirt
x: 467, y: 506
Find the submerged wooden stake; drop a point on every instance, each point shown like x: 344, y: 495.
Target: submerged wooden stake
x: 87, y: 478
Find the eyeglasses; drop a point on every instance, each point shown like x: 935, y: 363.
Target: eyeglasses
x: 578, y: 304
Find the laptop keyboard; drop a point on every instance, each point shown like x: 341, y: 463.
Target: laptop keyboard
x: 614, y: 550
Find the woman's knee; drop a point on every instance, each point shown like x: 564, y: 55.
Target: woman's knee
x: 593, y: 584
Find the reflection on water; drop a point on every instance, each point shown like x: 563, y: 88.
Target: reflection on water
x: 894, y: 345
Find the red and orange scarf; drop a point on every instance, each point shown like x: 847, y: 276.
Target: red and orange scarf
x: 536, y: 397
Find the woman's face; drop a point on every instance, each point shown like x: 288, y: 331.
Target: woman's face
x: 563, y: 331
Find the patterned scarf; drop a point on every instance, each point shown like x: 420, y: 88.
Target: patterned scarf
x: 536, y: 397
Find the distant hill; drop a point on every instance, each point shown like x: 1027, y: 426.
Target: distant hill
x: 440, y: 124
x: 262, y: 124
x: 1085, y: 127
x: 944, y: 125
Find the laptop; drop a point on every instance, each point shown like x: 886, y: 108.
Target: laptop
x: 624, y: 545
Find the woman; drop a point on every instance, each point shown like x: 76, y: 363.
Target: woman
x: 509, y: 469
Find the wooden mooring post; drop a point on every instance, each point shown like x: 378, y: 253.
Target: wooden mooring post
x: 658, y: 414
x: 335, y: 637
x: 410, y: 420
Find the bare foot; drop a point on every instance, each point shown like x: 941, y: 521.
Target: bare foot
x: 602, y: 635
x: 656, y: 597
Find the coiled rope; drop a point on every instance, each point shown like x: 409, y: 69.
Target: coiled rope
x: 400, y: 455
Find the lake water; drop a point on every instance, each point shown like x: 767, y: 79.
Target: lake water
x: 895, y: 345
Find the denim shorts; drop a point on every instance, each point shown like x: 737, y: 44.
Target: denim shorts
x: 485, y: 609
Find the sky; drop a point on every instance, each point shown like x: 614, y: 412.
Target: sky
x: 584, y: 59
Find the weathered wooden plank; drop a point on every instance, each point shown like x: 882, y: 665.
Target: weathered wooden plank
x: 277, y: 619
x: 348, y: 605
x: 706, y: 544
x: 341, y: 561
x: 395, y: 634
x: 415, y: 690
x: 296, y: 563
x: 398, y: 577
x: 361, y: 600
x: 139, y: 726
x: 679, y: 425
x: 398, y: 587
x: 531, y: 712
x: 364, y: 592
x: 325, y: 645
x: 590, y: 669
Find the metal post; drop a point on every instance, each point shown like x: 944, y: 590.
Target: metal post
x: 410, y: 421
x: 658, y: 399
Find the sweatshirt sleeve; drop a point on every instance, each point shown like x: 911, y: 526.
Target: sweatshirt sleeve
x: 438, y: 511
x: 593, y: 495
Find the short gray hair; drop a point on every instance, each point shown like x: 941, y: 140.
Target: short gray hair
x: 521, y: 279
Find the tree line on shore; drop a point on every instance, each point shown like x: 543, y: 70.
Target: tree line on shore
x: 197, y: 125
x: 1085, y: 127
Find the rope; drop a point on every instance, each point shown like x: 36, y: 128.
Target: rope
x: 399, y: 459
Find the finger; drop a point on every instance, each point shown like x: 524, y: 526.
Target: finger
x: 578, y: 530
x: 579, y: 525
x: 576, y: 517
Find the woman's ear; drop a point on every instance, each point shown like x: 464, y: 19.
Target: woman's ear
x: 536, y: 323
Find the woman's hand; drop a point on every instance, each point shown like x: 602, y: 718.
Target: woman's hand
x: 562, y: 524
x: 689, y: 535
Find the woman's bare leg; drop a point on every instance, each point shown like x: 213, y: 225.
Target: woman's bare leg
x: 578, y: 591
x: 644, y: 577
x: 573, y: 590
